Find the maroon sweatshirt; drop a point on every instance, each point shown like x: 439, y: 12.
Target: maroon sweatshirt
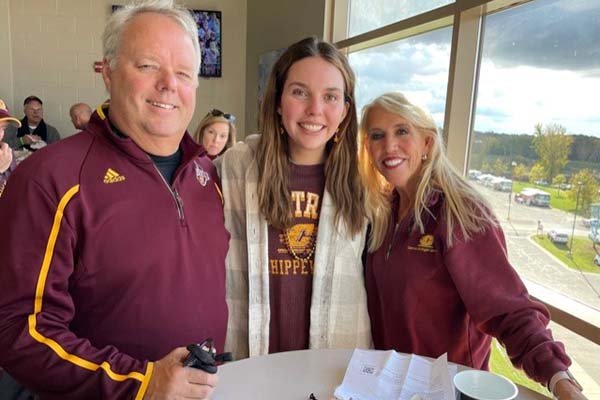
x: 428, y: 299
x: 104, y: 267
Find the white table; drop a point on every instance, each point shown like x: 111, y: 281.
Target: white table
x: 294, y: 376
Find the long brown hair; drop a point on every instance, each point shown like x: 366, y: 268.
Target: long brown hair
x: 342, y: 179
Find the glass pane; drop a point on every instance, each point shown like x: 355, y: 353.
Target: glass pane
x: 417, y: 66
x: 535, y: 152
x: 366, y: 15
x: 585, y: 368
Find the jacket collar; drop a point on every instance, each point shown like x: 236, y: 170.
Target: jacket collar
x: 99, y: 125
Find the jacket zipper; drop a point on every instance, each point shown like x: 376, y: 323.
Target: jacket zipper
x: 175, y: 194
x: 389, y: 249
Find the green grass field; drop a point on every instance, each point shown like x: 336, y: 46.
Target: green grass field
x: 501, y: 365
x: 583, y: 253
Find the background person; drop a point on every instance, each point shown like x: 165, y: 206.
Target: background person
x: 216, y: 132
x: 7, y: 158
x: 106, y: 268
x: 294, y: 207
x: 438, y: 278
x: 34, y: 132
x: 80, y: 114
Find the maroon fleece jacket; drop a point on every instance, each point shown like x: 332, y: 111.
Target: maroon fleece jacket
x: 428, y: 299
x: 104, y: 267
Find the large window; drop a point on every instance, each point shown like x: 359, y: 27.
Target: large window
x: 515, y: 85
x: 366, y: 15
x: 537, y: 126
x: 417, y: 66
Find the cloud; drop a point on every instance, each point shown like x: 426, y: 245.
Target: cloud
x: 554, y: 34
x: 527, y: 73
x: 524, y: 96
x: 413, y: 66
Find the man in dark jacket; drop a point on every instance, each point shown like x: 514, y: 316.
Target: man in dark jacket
x: 34, y: 132
x: 113, y: 255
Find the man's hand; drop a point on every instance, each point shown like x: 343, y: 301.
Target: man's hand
x: 29, y: 139
x: 565, y: 390
x: 170, y: 380
x: 6, y: 157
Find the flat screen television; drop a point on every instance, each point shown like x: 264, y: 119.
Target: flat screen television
x: 209, y: 36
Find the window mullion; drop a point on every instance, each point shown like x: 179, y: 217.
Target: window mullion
x: 464, y: 61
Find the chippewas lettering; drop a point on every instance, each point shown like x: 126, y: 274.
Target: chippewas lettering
x: 292, y: 267
x: 295, y: 246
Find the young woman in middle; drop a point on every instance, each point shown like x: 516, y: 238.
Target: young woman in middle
x: 294, y: 205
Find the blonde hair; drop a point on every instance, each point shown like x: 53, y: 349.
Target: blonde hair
x: 342, y: 179
x: 463, y: 205
x: 210, y: 119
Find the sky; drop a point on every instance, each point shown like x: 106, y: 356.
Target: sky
x: 540, y: 64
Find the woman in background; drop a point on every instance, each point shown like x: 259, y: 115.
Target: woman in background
x: 216, y: 132
x: 438, y: 278
x: 294, y: 206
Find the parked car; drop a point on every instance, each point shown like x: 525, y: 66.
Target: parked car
x: 474, y: 174
x: 558, y: 237
x: 597, y: 259
x: 533, y: 197
x: 502, y: 184
x: 589, y: 222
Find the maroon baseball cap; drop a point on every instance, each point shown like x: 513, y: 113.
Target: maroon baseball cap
x: 5, y: 116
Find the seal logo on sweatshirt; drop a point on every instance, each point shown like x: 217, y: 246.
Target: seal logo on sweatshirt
x: 425, y: 244
x: 201, y: 175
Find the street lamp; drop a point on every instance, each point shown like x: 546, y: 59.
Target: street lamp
x: 512, y: 173
x: 574, y: 219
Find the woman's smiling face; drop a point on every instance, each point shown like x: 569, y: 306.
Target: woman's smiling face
x: 312, y: 107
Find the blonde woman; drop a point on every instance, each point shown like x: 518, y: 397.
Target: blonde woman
x: 216, y: 132
x: 294, y: 206
x: 438, y: 278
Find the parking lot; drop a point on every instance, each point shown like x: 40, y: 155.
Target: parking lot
x: 535, y: 264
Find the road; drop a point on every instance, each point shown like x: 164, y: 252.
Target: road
x: 530, y: 260
x: 535, y: 264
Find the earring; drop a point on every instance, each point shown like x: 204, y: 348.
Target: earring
x: 336, y: 138
x: 424, y: 157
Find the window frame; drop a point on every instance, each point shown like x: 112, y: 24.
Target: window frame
x: 468, y: 20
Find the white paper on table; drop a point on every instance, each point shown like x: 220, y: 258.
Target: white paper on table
x: 387, y: 375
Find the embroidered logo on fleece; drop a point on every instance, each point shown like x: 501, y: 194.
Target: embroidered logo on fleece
x: 201, y: 175
x: 113, y: 176
x: 425, y: 245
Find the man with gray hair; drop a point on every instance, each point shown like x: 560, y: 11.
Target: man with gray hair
x: 112, y: 241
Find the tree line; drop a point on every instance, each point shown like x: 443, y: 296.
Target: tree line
x: 550, y: 156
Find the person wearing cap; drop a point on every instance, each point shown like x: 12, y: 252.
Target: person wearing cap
x: 7, y: 158
x: 34, y: 130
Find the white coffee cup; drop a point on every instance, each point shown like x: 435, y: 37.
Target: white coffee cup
x: 483, y: 385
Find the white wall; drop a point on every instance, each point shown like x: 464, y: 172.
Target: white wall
x: 276, y: 24
x: 49, y: 47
